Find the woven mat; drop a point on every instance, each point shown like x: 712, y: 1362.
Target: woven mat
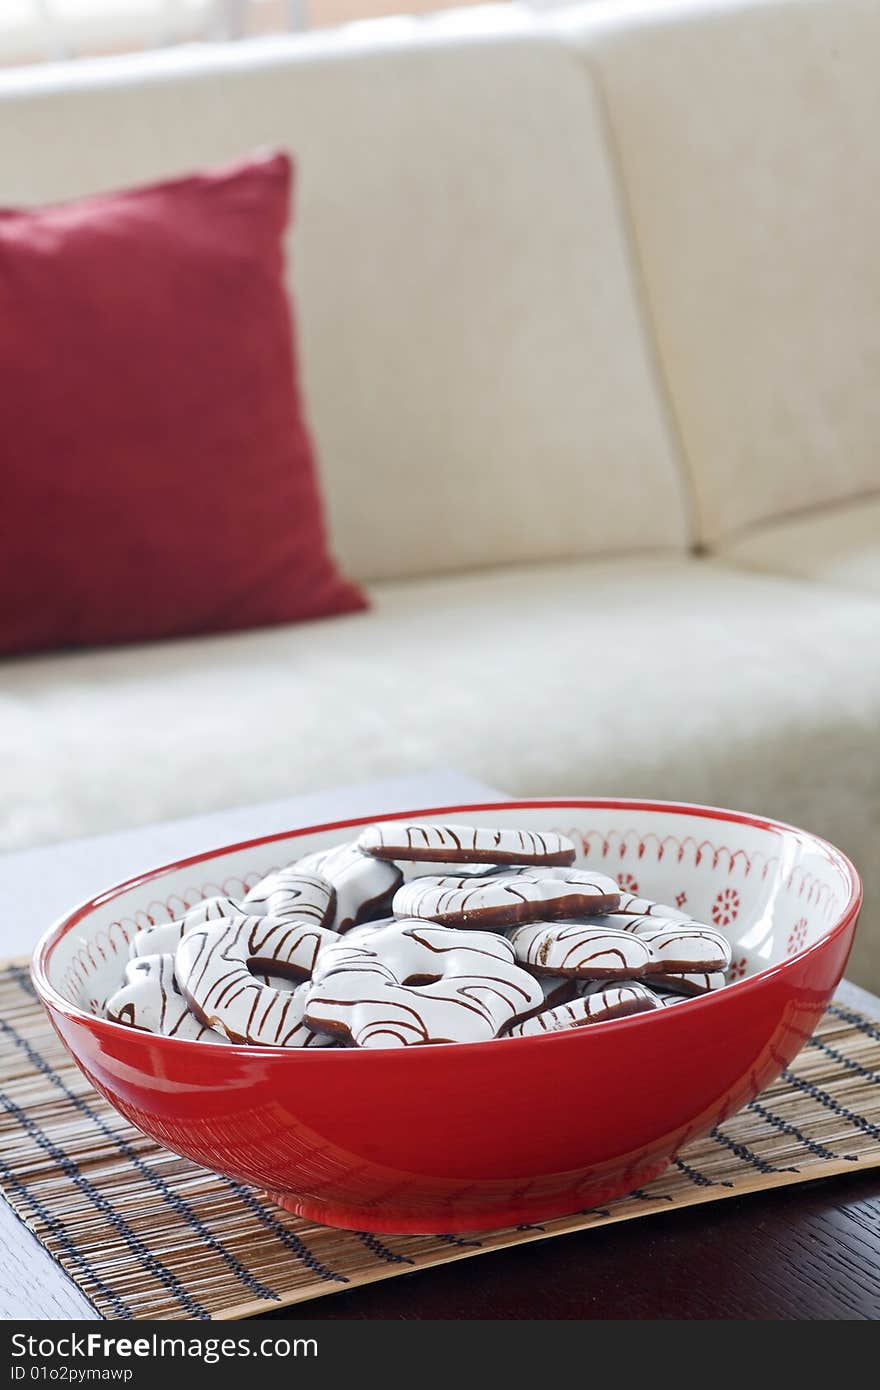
x: 145, y: 1234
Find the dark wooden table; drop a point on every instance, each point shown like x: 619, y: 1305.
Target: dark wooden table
x: 810, y: 1251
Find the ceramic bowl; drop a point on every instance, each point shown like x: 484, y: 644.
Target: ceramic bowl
x: 450, y: 1137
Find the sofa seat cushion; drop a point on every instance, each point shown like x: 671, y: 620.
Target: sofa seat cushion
x: 669, y: 678
x: 840, y: 546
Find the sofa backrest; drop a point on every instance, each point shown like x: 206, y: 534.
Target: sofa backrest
x: 475, y: 364
x: 747, y: 138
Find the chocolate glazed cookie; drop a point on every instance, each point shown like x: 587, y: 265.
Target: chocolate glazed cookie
x: 689, y: 982
x: 412, y: 983
x: 506, y: 899
x: 684, y: 948
x: 364, y: 885
x: 167, y: 936
x: 213, y: 967
x: 598, y: 1006
x: 291, y: 893
x: 580, y: 950
x: 452, y: 844
x: 151, y: 1000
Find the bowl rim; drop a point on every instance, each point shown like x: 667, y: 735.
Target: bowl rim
x: 53, y: 1000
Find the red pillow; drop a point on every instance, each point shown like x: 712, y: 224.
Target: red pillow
x: 157, y: 474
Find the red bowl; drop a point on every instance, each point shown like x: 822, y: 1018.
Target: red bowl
x: 471, y: 1136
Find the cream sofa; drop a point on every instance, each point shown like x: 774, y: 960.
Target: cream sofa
x: 589, y: 307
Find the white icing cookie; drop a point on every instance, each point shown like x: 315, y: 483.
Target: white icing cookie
x: 645, y: 907
x: 506, y: 899
x: 414, y: 982
x: 214, y: 963
x: 165, y: 938
x: 690, y: 983
x: 364, y: 885
x: 606, y: 1002
x: 580, y: 950
x: 451, y: 844
x: 212, y: 909
x: 684, y: 948
x: 412, y: 869
x: 676, y: 945
x: 366, y: 929
x: 151, y: 1001
x: 289, y: 893
x: 636, y: 923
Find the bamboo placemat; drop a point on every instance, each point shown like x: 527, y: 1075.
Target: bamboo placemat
x: 145, y: 1234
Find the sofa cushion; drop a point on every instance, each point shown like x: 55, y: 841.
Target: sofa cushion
x: 475, y: 366
x: 670, y: 679
x: 157, y: 474
x: 746, y: 138
x: 838, y: 546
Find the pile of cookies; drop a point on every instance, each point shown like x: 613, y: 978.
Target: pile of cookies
x: 416, y: 933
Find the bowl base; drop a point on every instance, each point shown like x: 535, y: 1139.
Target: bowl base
x: 391, y: 1220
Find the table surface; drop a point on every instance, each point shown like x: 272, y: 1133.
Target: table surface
x: 809, y: 1251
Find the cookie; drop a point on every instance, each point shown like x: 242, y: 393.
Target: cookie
x: 557, y: 989
x: 599, y: 1006
x: 151, y: 1001
x: 467, y: 844
x: 580, y: 950
x: 413, y: 983
x: 459, y: 870
x: 506, y: 899
x: 690, y: 983
x: 165, y: 938
x: 364, y: 885
x: 364, y: 930
x: 646, y: 907
x: 211, y: 909
x: 214, y: 964
x: 291, y: 893
x: 638, y: 923
x: 682, y: 947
